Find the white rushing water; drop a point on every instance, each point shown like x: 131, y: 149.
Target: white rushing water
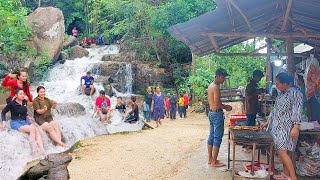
x: 62, y: 85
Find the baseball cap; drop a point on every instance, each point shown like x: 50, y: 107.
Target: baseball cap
x: 222, y: 72
x: 102, y: 92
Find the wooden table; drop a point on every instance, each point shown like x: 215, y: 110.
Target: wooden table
x: 257, y: 139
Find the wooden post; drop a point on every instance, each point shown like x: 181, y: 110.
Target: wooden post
x: 194, y: 68
x: 290, y: 56
x: 268, y: 65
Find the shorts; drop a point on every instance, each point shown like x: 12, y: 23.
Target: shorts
x: 17, y: 124
x: 40, y: 120
x: 87, y: 85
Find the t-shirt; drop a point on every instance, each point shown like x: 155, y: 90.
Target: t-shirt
x: 121, y: 108
x: 168, y: 103
x: 251, y: 102
x: 18, y: 111
x: 87, y: 80
x: 14, y: 85
x: 39, y: 104
x: 181, y: 101
x: 148, y: 98
x: 135, y: 111
x: 173, y: 100
x: 99, y: 101
x: 186, y: 100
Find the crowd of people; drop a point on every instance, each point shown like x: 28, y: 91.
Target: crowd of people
x: 157, y: 106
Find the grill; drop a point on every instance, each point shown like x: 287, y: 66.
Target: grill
x: 247, y: 136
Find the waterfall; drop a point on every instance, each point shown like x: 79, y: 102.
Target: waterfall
x: 129, y: 78
x: 74, y: 113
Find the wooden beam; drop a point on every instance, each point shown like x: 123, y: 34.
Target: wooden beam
x: 258, y: 54
x: 298, y: 26
x: 214, y: 43
x: 260, y: 48
x: 242, y: 14
x: 286, y: 16
x: 268, y: 65
x: 267, y: 35
x: 290, y: 56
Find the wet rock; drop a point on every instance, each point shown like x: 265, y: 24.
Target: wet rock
x: 63, y: 57
x: 106, y: 58
x: 53, y: 167
x: 47, y: 31
x: 60, y: 172
x: 103, y: 79
x: 69, y: 109
x: 78, y: 52
x: 71, y: 41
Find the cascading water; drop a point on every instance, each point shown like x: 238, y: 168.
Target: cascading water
x: 63, y: 85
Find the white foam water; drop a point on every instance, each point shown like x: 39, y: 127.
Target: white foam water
x: 63, y: 85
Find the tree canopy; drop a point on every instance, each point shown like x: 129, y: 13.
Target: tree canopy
x: 142, y: 26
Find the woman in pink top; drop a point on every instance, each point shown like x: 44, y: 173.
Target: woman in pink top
x: 168, y: 106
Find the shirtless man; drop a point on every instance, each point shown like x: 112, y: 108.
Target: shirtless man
x: 216, y: 117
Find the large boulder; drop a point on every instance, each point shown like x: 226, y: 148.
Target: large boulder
x: 53, y: 166
x: 71, y: 41
x: 63, y: 57
x: 47, y: 31
x: 78, y: 52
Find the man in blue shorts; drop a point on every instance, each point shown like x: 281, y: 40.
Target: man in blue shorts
x: 87, y: 82
x: 216, y: 118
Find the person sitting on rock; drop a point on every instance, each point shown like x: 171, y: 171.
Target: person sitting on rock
x: 133, y: 115
x: 42, y: 113
x: 84, y: 42
x: 17, y: 81
x: 87, y: 82
x: 20, y: 121
x: 120, y: 106
x: 103, y: 105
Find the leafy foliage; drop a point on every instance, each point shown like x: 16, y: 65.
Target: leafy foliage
x: 239, y: 68
x: 13, y: 29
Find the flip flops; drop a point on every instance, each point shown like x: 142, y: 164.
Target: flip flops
x: 282, y: 176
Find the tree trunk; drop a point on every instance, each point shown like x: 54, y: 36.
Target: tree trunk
x: 194, y: 68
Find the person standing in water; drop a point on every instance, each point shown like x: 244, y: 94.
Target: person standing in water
x: 216, y: 118
x: 42, y: 113
x: 158, y: 106
x: 20, y: 122
x: 19, y: 81
x: 88, y: 83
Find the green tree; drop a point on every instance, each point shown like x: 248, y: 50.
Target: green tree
x: 13, y: 29
x: 239, y: 68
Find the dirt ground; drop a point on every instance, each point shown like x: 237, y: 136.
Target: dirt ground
x: 176, y: 150
x: 162, y: 153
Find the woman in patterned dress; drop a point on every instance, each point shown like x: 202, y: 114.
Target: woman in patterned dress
x: 158, y: 106
x: 284, y: 123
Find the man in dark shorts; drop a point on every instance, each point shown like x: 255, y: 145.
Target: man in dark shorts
x: 216, y: 117
x: 87, y: 82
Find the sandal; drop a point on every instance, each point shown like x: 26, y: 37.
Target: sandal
x: 282, y: 176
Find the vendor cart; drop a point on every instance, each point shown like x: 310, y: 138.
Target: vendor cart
x: 258, y: 139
